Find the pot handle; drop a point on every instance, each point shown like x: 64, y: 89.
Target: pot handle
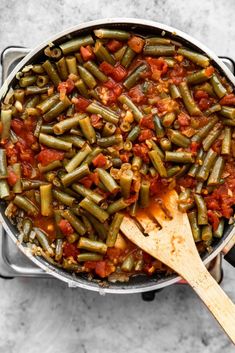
x: 229, y: 251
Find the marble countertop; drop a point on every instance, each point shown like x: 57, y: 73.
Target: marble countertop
x: 45, y: 316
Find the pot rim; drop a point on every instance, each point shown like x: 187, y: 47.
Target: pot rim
x: 68, y: 32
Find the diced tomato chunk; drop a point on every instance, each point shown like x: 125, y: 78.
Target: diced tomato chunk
x: 183, y: 119
x: 26, y: 169
x: 81, y: 104
x: 141, y: 150
x: 106, y: 68
x: 147, y: 121
x: 209, y: 71
x: 89, y: 265
x: 114, y: 253
x: 118, y: 73
x: 136, y: 44
x: 17, y: 126
x: 66, y: 86
x: 47, y: 156
x: 113, y: 45
x: 125, y: 156
x: 11, y: 152
x: 89, y: 180
x: 213, y: 219
x: 194, y: 146
x: 99, y: 161
x: 66, y: 227
x: 12, y: 178
x: 158, y: 67
x: 136, y: 94
x: 133, y: 198
x: 96, y: 121
x: 229, y: 99
x: 178, y: 73
x: 70, y: 250
x: 104, y: 269
x: 200, y: 94
x: 187, y: 181
x: 87, y: 53
x: 145, y: 134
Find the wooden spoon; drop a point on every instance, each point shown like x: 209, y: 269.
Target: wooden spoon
x: 174, y: 245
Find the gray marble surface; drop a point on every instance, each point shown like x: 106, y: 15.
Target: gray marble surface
x: 44, y: 316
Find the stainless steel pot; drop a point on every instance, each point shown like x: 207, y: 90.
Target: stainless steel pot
x: 138, y: 283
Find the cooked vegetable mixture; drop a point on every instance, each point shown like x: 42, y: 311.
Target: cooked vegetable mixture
x: 100, y: 127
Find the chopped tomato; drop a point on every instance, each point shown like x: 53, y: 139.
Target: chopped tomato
x: 194, y: 146
x: 147, y: 121
x: 17, y: 126
x: 12, y: 178
x: 125, y: 156
x: 66, y: 86
x: 132, y: 199
x: 26, y: 169
x: 47, y: 156
x: 200, y: 94
x: 145, y: 134
x: 204, y: 103
x: 12, y: 153
x: 24, y: 129
x: 178, y: 74
x: 106, y: 68
x: 70, y: 250
x: 104, y: 269
x: 209, y: 71
x: 213, y: 219
x: 229, y: 99
x: 89, y: 265
x: 141, y: 150
x: 66, y: 227
x: 118, y: 73
x: 89, y: 180
x: 86, y: 53
x: 110, y: 91
x: 96, y: 121
x: 217, y: 146
x: 187, y: 181
x: 166, y: 105
x: 99, y: 161
x: 113, y: 45
x: 158, y: 67
x: 25, y: 154
x: 155, y: 185
x: 183, y: 119
x: 114, y: 254
x: 81, y: 104
x: 136, y: 44
x: 1, y: 126
x: 136, y: 94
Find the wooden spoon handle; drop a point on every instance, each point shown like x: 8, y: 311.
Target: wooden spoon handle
x: 215, y: 299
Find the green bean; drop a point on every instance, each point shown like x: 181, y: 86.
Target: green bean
x: 116, y: 162
x: 102, y: 53
x: 196, y: 231
x: 168, y: 119
x: 75, y: 44
x: 136, y: 163
x: 174, y: 91
x: 62, y: 126
x: 27, y: 81
x: 165, y: 144
x: 202, y: 210
x: 82, y: 89
x: 3, y: 164
x: 89, y: 227
x: 88, y: 256
x: 78, y: 158
x: 92, y: 155
x: 17, y: 188
x: 107, y: 180
x: 27, y: 226
x: 108, y: 130
x: 53, y: 53
x: 134, y: 133
x: 26, y: 205
x: 87, y: 77
x: 87, y: 129
x: 46, y: 200
x: 138, y: 115
x: 118, y: 205
x: 19, y: 95
x: 106, y: 114
x: 198, y: 77
x: 92, y: 195
x: 42, y: 237
x: 217, y: 170
x: 71, y: 238
x: 178, y: 139
x: 228, y: 122
x: 109, y: 141
x: 38, y: 69
x: 133, y: 209
x: 71, y: 266
x: 220, y: 230
x: 158, y: 126
x: 159, y: 50
x: 94, y: 210
x: 208, y: 163
x: 211, y: 137
x: 57, y: 109
x: 195, y: 167
x: 203, y: 132
x: 173, y: 171
x: 128, y: 263
x: 75, y: 140
x: 54, y: 142
x: 71, y: 63
x: 228, y: 112
x: 119, y: 53
x: 157, y: 40
x: 213, y: 109
x: 30, y: 90
x: 196, y: 58
x: 125, y: 182
x: 76, y: 174
x: 179, y: 157
x: 157, y: 163
x: 114, y: 229
x: 207, y: 232
x: 188, y: 100
x: 4, y: 189
x: 185, y: 200
x: 111, y: 34
x: 51, y: 72
x: 63, y: 197
x: 144, y: 194
x: 127, y: 57
x: 151, y: 170
x: 32, y: 102
x: 134, y: 76
x: 31, y: 184
x: 48, y: 103
x: 74, y: 221
x: 6, y: 124
x: 156, y: 148
x: 95, y: 71
x: 62, y: 68
x: 58, y: 249
x: 51, y: 166
x: 227, y: 140
x: 100, y: 228
x: 199, y: 186
x: 127, y: 145
x: 218, y: 88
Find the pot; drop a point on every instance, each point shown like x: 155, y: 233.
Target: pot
x: 140, y: 283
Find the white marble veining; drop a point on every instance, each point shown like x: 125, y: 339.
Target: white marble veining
x: 44, y: 315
